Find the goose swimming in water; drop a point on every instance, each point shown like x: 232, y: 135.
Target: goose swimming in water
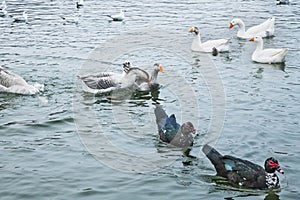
x: 265, y: 29
x: 268, y: 56
x: 105, y: 82
x: 13, y: 83
x: 219, y: 45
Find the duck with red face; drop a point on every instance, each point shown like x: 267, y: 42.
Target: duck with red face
x: 243, y: 172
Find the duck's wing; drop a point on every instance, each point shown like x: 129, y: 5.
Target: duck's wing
x: 96, y: 75
x: 210, y: 44
x: 242, y: 171
x: 100, y: 81
x: 165, y: 124
x: 7, y: 78
x: 272, y: 52
x: 107, y: 82
x: 267, y: 25
x: 161, y: 117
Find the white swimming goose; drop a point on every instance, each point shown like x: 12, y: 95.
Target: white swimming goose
x: 220, y: 44
x: 267, y: 55
x: 21, y: 19
x: 105, y: 82
x: 118, y: 17
x: 13, y: 83
x: 265, y: 29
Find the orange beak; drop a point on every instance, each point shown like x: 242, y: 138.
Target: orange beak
x: 230, y: 25
x: 161, y: 69
x: 148, y: 80
x: 192, y: 30
x: 251, y: 39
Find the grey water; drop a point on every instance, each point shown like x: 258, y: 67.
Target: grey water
x: 67, y: 144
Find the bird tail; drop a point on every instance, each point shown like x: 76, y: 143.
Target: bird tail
x: 109, y: 16
x: 212, y: 154
x: 160, y: 115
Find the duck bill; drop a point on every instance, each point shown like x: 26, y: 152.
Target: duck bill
x: 280, y: 171
x: 161, y: 68
x: 191, y: 30
x: 230, y: 25
x: 251, y: 39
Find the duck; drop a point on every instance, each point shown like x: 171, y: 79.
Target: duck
x: 282, y: 2
x: 105, y: 82
x: 243, y: 172
x: 79, y: 4
x: 153, y: 83
x: 265, y: 29
x: 118, y: 17
x: 3, y: 12
x: 268, y: 56
x: 13, y: 83
x: 220, y: 44
x: 21, y: 19
x: 171, y: 132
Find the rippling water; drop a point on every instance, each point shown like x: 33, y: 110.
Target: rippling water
x: 44, y: 157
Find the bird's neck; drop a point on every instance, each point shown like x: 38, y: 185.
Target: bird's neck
x: 272, y: 180
x: 154, y: 75
x: 259, y: 45
x: 242, y: 28
x: 196, y: 44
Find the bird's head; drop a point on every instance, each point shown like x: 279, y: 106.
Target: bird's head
x: 194, y: 30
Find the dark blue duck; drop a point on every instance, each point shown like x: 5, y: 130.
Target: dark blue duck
x: 243, y: 172
x: 171, y: 132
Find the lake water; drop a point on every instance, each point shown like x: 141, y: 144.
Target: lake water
x: 67, y: 144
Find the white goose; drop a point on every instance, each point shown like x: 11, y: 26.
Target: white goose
x: 220, y: 44
x: 267, y: 55
x: 265, y: 29
x: 105, y: 82
x: 13, y: 83
x: 118, y: 17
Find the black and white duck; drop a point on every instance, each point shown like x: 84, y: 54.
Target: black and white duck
x: 243, y: 172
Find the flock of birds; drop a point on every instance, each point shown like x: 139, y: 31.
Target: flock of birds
x: 235, y: 170
x: 254, y: 34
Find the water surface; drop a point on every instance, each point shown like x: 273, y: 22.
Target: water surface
x: 44, y: 157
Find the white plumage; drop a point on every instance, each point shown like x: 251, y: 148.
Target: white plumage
x: 265, y: 29
x: 118, y: 17
x: 269, y: 56
x: 220, y: 44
